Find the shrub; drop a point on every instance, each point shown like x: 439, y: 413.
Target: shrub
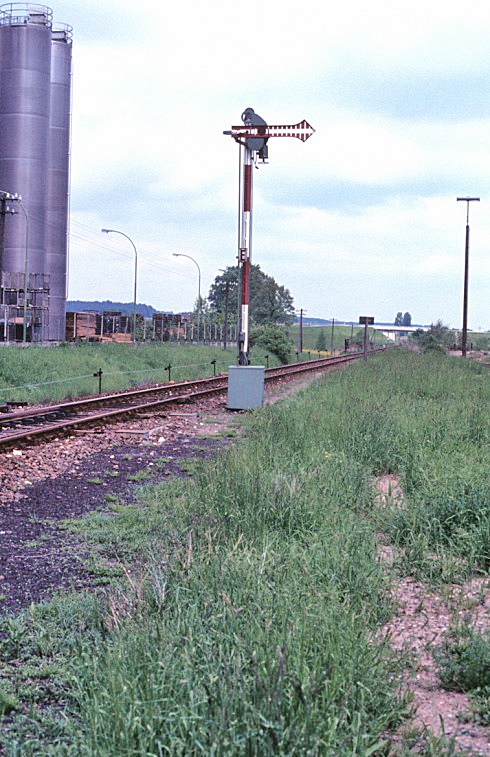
x: 463, y: 660
x: 272, y: 337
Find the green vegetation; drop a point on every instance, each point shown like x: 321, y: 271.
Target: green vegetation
x: 274, y: 339
x: 464, y: 660
x: 41, y: 374
x: 44, y: 374
x: 325, y: 338
x: 271, y: 309
x: 270, y: 303
x: 245, y: 618
x: 440, y: 338
x: 432, y: 427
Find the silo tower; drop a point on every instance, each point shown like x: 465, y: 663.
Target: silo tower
x: 35, y: 105
x: 58, y: 178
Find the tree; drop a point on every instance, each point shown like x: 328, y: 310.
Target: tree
x: 437, y: 338
x: 272, y: 337
x: 407, y: 319
x: 321, y: 341
x: 398, y: 319
x: 269, y: 302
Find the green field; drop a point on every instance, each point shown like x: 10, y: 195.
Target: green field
x: 40, y: 374
x: 334, y: 339
x: 355, y: 334
x: 245, y: 619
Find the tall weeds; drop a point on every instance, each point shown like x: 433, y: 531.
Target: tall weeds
x: 250, y: 624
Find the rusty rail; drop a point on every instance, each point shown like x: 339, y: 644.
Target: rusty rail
x: 31, y: 424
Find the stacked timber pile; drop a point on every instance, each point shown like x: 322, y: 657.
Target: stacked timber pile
x: 122, y: 338
x: 80, y: 326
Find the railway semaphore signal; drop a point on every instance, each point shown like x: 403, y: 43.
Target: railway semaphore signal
x: 302, y: 131
x: 253, y: 136
x: 367, y: 320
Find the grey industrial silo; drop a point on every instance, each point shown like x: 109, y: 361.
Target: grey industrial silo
x: 35, y: 83
x: 58, y: 179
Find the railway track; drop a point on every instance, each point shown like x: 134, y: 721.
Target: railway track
x: 32, y: 425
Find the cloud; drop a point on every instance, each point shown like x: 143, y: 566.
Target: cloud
x: 361, y: 217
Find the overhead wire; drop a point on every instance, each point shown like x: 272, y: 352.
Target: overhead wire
x: 87, y: 235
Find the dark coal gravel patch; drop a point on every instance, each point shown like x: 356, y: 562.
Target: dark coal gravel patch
x: 37, y: 557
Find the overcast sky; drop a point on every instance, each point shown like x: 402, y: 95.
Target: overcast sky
x: 361, y: 219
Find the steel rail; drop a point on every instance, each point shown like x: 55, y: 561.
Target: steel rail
x: 106, y: 415
x: 104, y: 399
x: 118, y: 397
x: 185, y: 391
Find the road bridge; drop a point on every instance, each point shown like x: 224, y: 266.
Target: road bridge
x: 392, y: 332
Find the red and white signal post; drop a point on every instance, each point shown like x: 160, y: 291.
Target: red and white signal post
x: 253, y: 137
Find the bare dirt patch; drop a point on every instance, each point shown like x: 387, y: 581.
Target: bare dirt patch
x: 422, y: 619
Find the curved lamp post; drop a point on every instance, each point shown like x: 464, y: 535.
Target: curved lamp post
x: 11, y: 196
x: 115, y: 231
x: 182, y: 255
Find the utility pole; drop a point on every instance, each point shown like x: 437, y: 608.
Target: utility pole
x: 464, y: 334
x: 183, y: 255
x: 4, y: 196
x: 115, y: 231
x: 300, y: 331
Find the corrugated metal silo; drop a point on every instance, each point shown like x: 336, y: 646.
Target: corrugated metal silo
x: 58, y: 178
x: 25, y: 73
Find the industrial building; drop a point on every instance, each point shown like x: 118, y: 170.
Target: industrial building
x: 35, y: 115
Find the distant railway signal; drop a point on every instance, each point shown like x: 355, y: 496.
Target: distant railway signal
x: 253, y: 137
x: 367, y: 320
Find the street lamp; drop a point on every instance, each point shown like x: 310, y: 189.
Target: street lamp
x: 18, y: 198
x: 464, y: 333
x: 115, y: 231
x: 182, y: 255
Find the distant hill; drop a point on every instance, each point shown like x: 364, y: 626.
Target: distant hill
x: 94, y: 306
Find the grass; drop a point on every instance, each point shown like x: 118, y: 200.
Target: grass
x: 433, y: 433
x: 335, y: 339
x: 249, y: 595
x: 463, y: 663
x: 140, y: 475
x: 70, y: 370
x: 464, y: 660
x: 41, y: 374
